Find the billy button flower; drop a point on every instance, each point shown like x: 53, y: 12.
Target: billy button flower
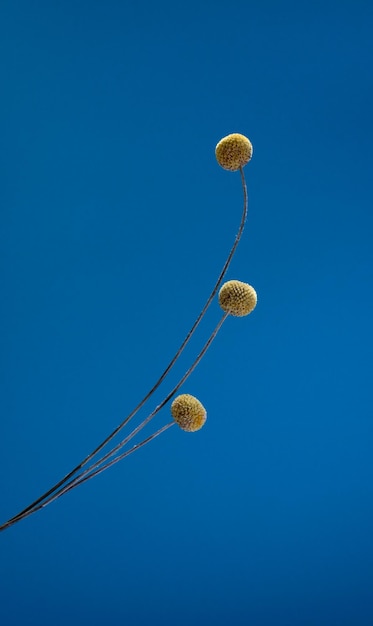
x: 233, y: 152
x: 237, y: 298
x: 188, y: 412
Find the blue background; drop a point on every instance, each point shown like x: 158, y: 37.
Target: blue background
x: 115, y: 222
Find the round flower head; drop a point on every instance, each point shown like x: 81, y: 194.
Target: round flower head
x: 188, y: 412
x: 233, y: 152
x: 237, y: 298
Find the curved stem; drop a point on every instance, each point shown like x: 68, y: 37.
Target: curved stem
x: 160, y: 406
x: 162, y: 377
x: 94, y: 469
x: 80, y: 479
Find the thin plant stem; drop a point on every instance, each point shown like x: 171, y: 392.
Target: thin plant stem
x: 75, y: 483
x: 168, y: 368
x: 80, y: 479
x: 160, y: 406
x: 94, y: 469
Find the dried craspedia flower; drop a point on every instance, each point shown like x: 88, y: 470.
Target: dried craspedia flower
x: 233, y: 152
x: 237, y: 298
x: 188, y: 412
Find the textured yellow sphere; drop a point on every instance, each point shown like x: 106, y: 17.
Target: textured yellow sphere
x: 188, y: 412
x: 237, y: 298
x: 233, y: 152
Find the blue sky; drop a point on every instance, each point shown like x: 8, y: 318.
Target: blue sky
x: 115, y: 221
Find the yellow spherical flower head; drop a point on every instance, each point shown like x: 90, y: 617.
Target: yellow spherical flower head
x: 237, y: 298
x: 188, y: 412
x: 233, y: 152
